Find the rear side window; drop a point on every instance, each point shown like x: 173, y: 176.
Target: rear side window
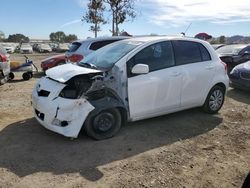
x: 204, y: 53
x: 74, y: 46
x: 186, y: 52
x: 96, y: 45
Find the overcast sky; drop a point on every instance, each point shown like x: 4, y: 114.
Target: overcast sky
x: 38, y: 18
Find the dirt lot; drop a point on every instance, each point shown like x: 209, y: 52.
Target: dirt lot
x: 185, y: 149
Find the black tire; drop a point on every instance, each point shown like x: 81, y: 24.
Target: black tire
x: 214, y: 100
x: 26, y: 76
x: 11, y: 75
x: 103, y: 125
x: 31, y: 74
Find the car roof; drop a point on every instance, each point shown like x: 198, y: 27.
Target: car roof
x: 159, y: 38
x: 102, y: 39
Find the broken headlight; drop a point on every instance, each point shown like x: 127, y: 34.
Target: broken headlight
x: 76, y: 87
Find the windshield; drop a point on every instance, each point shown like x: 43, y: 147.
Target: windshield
x: 106, y: 57
x: 231, y: 49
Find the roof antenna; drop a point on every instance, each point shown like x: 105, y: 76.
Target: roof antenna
x: 184, y: 33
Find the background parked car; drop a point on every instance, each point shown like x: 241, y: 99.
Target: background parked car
x: 4, y: 65
x: 240, y: 76
x: 35, y: 47
x: 234, y: 54
x: 62, y: 47
x: 10, y: 48
x: 79, y: 49
x: 217, y: 46
x: 53, y: 61
x: 26, y: 48
x: 42, y: 48
x: 53, y: 46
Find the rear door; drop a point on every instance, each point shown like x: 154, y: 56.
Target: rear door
x: 158, y: 91
x: 198, y: 71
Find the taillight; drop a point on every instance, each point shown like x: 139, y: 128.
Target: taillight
x: 225, y: 65
x: 3, y: 58
x: 75, y: 58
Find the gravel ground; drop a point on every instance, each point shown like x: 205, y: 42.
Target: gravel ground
x: 185, y: 149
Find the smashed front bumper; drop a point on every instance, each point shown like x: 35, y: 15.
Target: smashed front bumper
x: 63, y: 116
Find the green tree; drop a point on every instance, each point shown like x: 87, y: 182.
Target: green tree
x: 121, y: 10
x: 222, y: 39
x: 58, y: 36
x: 94, y: 15
x: 17, y: 38
x: 70, y: 38
x: 2, y: 36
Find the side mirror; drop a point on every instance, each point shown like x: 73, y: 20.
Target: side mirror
x: 140, y: 69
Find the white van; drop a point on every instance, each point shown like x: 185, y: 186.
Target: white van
x: 130, y: 80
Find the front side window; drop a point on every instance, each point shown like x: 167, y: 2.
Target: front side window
x: 157, y: 56
x: 187, y: 52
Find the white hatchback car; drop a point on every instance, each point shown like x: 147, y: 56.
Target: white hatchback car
x: 130, y: 80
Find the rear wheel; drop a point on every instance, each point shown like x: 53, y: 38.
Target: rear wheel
x: 26, y: 76
x: 104, y: 125
x: 215, y: 100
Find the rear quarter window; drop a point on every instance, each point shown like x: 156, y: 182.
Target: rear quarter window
x: 205, y: 55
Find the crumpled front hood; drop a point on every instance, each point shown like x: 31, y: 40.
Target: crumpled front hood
x: 65, y: 72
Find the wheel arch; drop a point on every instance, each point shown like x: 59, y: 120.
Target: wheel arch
x: 106, y: 103
x: 220, y: 84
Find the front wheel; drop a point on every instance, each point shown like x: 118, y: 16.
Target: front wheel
x: 215, y: 100
x: 11, y: 76
x: 104, y: 125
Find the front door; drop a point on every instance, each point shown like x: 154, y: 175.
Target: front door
x: 158, y: 91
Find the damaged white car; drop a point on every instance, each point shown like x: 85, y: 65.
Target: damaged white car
x: 130, y: 80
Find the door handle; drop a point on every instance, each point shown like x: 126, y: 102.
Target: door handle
x: 209, y: 67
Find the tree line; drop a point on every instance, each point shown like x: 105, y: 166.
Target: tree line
x: 120, y: 10
x: 58, y: 36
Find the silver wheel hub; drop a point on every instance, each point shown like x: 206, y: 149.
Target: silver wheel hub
x: 215, y: 100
